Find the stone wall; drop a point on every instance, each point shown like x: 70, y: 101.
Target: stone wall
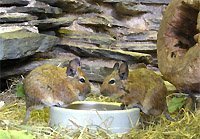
x: 91, y: 29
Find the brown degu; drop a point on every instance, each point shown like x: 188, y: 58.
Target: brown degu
x: 140, y: 88
x: 49, y: 85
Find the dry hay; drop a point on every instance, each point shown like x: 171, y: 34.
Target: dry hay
x: 12, y: 114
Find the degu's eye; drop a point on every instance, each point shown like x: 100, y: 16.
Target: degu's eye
x: 112, y: 81
x: 82, y: 80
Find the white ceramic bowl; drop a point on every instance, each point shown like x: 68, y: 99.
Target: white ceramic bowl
x: 108, y: 116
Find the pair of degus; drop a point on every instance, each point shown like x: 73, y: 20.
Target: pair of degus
x: 49, y: 85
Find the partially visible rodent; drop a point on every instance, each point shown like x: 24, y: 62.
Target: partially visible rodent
x: 49, y: 85
x: 137, y: 88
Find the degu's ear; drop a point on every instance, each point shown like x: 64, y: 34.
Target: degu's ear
x: 123, y: 71
x: 73, y: 67
x: 116, y: 66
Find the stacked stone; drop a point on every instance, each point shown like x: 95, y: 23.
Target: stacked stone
x: 106, y: 29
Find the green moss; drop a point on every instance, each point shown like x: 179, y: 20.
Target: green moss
x: 65, y: 31
x: 20, y: 34
x: 17, y: 34
x: 90, y: 37
x: 62, y: 19
x: 131, y: 53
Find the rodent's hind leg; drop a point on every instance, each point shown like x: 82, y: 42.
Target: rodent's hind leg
x: 27, y: 116
x: 28, y: 112
x: 155, y: 112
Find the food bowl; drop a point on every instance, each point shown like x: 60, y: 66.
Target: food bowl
x: 94, y: 115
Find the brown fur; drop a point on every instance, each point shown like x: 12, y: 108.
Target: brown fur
x: 49, y: 85
x: 142, y: 87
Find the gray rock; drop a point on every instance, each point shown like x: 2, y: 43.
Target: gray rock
x: 50, y: 23
x: 36, y: 9
x: 52, y: 11
x: 154, y: 23
x: 50, y: 2
x: 74, y: 6
x: 98, y: 39
x: 147, y: 47
x: 16, y: 17
x: 52, y: 33
x: 99, y: 20
x: 152, y: 1
x: 97, y: 69
x: 79, y: 6
x: 132, y: 57
x: 139, y: 1
x: 20, y: 68
x: 131, y: 8
x: 16, y: 27
x: 20, y: 43
x: 141, y: 36
x: 132, y: 34
x: 154, y: 17
x: 14, y: 2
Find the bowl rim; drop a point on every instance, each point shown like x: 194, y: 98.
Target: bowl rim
x: 95, y: 110
x: 97, y: 102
